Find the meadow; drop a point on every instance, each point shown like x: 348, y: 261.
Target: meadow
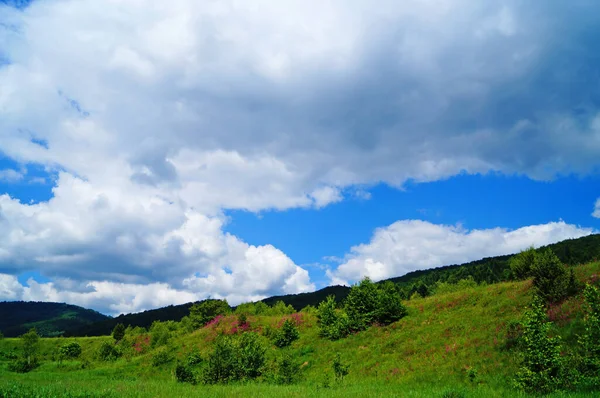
x: 454, y: 344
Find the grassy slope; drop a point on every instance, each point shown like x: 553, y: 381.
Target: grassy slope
x: 424, y: 354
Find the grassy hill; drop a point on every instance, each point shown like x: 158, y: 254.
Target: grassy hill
x: 50, y: 319
x: 429, y: 353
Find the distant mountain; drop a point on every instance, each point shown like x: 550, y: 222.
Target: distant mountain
x: 489, y: 270
x: 142, y: 319
x: 50, y: 319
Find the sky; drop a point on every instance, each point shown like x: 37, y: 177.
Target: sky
x: 156, y: 153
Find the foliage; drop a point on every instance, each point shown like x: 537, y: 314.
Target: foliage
x: 161, y: 356
x: 287, y: 334
x: 242, y: 319
x: 446, y: 287
x: 108, y: 352
x: 70, y: 350
x: 118, y: 332
x: 522, y: 263
x: 160, y: 334
x: 589, y: 340
x: 362, y: 304
x: 194, y: 358
x: 333, y: 324
x: 222, y: 362
x: 550, y: 277
x: 203, y: 312
x: 22, y: 365
x: 542, y: 366
x: 389, y: 308
x: 287, y: 369
x: 30, y: 342
x: 184, y: 374
x: 340, y: 369
x: 251, y: 356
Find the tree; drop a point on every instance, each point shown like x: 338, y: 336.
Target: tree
x: 287, y: 334
x: 550, y: 278
x: 521, y: 264
x: 541, y: 366
x: 30, y: 342
x: 588, y: 341
x: 362, y: 304
x: 390, y: 308
x: 70, y: 350
x: 118, y: 332
x: 333, y: 324
x: 205, y: 311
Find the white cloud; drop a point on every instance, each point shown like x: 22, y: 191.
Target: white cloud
x: 410, y: 245
x: 10, y: 175
x: 596, y: 212
x: 157, y: 117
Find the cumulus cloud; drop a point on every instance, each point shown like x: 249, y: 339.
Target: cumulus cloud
x: 596, y: 212
x: 410, y: 245
x: 155, y: 117
x: 10, y: 175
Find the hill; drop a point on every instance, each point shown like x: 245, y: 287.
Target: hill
x: 50, y: 319
x: 455, y: 344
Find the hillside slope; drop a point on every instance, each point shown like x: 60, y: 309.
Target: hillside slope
x: 50, y: 319
x: 432, y: 351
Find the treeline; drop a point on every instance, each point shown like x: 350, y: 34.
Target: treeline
x: 49, y: 319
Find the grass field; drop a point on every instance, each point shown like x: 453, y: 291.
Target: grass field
x: 426, y: 354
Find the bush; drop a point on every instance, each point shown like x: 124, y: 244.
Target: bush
x: 333, y: 324
x: 22, y: 365
x: 161, y: 357
x: 222, y: 363
x: 184, y: 374
x: 118, y: 332
x: 541, y: 369
x: 160, y: 334
x: 550, y: 278
x: 251, y: 356
x: 362, y: 304
x: 205, y: 311
x: 30, y: 341
x: 70, y: 350
x: 194, y: 358
x: 287, y: 369
x: 522, y: 263
x: 588, y: 341
x: 340, y: 369
x: 108, y: 352
x: 390, y: 308
x: 287, y: 334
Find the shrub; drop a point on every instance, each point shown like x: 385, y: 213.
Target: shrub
x: 160, y: 334
x: 30, y: 341
x: 340, y: 370
x: 362, y: 304
x: 194, y: 358
x: 242, y: 319
x: 333, y: 324
x: 251, y: 356
x: 287, y: 369
x: 588, y: 341
x: 184, y: 374
x: 550, y: 277
x: 161, y: 357
x: 222, y: 362
x: 390, y: 308
x: 23, y: 365
x: 108, y: 352
x: 70, y: 350
x: 118, y: 332
x: 541, y: 367
x: 287, y: 334
x: 522, y: 263
x: 205, y: 311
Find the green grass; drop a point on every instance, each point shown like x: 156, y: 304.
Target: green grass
x: 426, y: 354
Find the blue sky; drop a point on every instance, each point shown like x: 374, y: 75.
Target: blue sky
x: 247, y: 150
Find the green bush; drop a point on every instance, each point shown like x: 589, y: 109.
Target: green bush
x: 118, y: 332
x: 550, y: 277
x: 161, y: 357
x: 589, y: 340
x: 287, y: 369
x: 251, y: 356
x: 205, y: 311
x: 333, y: 324
x: 160, y: 334
x: 194, y: 358
x: 287, y: 334
x: 541, y: 369
x: 23, y: 365
x: 362, y: 304
x: 522, y: 263
x: 70, y: 350
x: 340, y: 369
x: 389, y: 308
x: 108, y: 352
x: 184, y: 374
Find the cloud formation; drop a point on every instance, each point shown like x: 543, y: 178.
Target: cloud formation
x: 411, y: 245
x: 154, y: 117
